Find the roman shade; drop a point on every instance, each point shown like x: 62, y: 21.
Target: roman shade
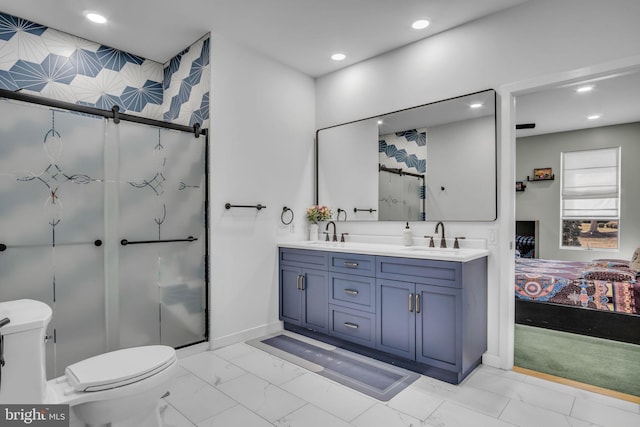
x: 591, y: 184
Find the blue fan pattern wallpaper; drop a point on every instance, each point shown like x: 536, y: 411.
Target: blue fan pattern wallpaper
x: 46, y: 62
x: 406, y: 150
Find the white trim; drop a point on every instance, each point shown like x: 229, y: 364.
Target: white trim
x: 247, y: 334
x: 507, y: 149
x: 192, y: 349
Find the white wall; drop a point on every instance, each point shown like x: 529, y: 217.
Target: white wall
x: 457, y: 178
x: 538, y: 38
x: 351, y: 177
x: 541, y: 200
x: 261, y: 151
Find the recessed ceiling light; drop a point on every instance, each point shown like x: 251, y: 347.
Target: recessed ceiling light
x: 338, y: 56
x: 476, y: 105
x: 380, y: 122
x: 420, y: 24
x: 594, y: 117
x: 584, y: 89
x: 95, y: 17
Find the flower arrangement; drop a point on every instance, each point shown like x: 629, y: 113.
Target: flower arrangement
x: 318, y: 213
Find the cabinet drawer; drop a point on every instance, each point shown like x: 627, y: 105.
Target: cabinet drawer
x: 364, y: 265
x: 352, y: 291
x: 430, y: 272
x: 304, y: 258
x: 352, y: 325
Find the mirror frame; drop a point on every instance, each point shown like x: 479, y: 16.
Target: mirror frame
x: 495, y: 156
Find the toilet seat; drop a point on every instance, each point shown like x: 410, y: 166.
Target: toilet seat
x: 119, y: 368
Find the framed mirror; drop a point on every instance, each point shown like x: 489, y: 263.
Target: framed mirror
x: 434, y: 162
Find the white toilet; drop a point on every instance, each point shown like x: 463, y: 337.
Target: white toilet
x: 122, y: 388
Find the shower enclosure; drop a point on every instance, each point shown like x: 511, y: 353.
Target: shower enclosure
x: 104, y: 219
x: 401, y: 195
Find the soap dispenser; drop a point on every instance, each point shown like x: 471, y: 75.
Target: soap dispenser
x: 406, y: 236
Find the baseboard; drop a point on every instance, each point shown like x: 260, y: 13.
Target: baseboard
x: 576, y: 384
x: 492, y: 360
x: 192, y: 349
x: 248, y: 334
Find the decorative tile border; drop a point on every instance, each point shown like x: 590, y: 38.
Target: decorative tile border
x: 47, y: 62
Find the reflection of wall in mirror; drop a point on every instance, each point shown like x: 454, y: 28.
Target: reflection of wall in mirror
x: 348, y: 177
x: 401, y: 197
x: 463, y: 177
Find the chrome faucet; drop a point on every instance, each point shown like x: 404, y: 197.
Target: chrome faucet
x: 443, y: 241
x: 335, y: 235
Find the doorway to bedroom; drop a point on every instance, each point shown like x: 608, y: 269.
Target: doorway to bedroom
x: 577, y: 309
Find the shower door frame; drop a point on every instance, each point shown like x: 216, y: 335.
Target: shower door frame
x: 115, y: 115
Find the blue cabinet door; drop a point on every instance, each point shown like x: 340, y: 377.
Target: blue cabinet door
x: 438, y: 326
x: 396, y: 323
x: 316, y: 300
x: 290, y: 295
x: 304, y: 297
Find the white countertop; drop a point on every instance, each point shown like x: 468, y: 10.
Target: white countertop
x: 415, y: 251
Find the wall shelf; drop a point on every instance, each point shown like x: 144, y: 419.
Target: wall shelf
x: 553, y: 177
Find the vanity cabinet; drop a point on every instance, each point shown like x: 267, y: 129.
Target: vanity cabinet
x: 424, y: 315
x: 418, y: 322
x: 304, y: 289
x: 352, y: 298
x: 433, y: 312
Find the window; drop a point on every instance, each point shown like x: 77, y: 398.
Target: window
x: 590, y: 199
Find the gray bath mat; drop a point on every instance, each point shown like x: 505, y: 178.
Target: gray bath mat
x: 376, y: 379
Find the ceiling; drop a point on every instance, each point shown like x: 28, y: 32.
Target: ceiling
x: 299, y: 33
x: 615, y: 97
x: 304, y: 33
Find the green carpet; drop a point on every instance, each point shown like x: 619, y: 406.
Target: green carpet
x: 609, y: 364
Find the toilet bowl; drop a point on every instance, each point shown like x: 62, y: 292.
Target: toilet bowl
x: 122, y: 388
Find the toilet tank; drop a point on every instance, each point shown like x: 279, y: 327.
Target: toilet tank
x: 23, y: 377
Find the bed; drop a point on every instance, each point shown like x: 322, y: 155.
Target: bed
x: 600, y: 298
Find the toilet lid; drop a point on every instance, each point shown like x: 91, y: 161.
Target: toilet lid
x: 119, y: 368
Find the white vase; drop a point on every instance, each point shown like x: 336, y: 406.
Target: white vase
x: 313, y: 232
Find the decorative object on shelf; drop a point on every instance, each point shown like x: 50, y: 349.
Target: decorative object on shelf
x: 542, y: 174
x: 315, y: 214
x: 286, y: 217
x: 313, y: 232
x: 520, y: 186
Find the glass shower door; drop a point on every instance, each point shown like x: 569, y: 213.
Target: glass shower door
x: 162, y: 292
x: 51, y: 226
x: 105, y: 223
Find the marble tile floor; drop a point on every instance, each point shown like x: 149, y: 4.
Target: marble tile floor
x: 243, y: 386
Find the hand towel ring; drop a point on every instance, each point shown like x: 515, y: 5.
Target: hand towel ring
x: 285, y: 213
